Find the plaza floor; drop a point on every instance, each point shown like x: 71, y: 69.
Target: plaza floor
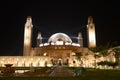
x: 61, y: 71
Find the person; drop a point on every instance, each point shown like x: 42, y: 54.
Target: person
x: 79, y: 71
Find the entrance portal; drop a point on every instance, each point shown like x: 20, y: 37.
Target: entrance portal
x: 59, y: 61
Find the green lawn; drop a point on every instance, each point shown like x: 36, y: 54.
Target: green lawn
x: 89, y: 74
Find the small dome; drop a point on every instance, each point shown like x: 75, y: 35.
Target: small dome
x: 60, y: 37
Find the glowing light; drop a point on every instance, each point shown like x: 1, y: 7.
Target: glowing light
x: 75, y: 44
x: 46, y: 44
x: 52, y: 43
x: 67, y: 43
x: 49, y: 65
x: 19, y: 61
x: 45, y: 54
x: 27, y: 35
x: 92, y: 36
x: 41, y: 45
x: 61, y: 36
x: 59, y: 43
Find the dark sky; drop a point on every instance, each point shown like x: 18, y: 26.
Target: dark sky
x: 49, y: 17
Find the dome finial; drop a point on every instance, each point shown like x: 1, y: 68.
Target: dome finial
x: 29, y: 19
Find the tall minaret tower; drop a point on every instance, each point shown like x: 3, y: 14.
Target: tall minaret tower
x: 28, y: 36
x: 80, y: 39
x: 91, y: 33
x: 39, y: 39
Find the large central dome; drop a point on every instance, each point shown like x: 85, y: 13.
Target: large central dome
x: 60, y: 37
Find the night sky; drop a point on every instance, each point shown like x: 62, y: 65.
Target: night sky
x: 50, y: 17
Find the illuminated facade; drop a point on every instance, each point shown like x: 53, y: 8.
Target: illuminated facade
x: 91, y: 33
x: 28, y: 36
x: 59, y: 49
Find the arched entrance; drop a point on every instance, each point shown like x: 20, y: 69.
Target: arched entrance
x: 57, y: 61
x: 60, y: 61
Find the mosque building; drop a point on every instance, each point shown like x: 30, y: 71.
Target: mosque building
x: 59, y: 49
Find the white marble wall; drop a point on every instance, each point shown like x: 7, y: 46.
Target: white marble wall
x: 26, y: 61
x: 39, y: 61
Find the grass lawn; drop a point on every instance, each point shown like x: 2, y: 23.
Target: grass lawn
x: 89, y: 74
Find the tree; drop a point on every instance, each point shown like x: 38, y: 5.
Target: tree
x: 117, y: 54
x: 96, y: 50
x: 103, y: 63
x: 78, y: 56
x: 102, y: 50
x: 105, y: 49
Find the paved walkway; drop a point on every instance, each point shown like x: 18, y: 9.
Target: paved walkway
x: 61, y: 71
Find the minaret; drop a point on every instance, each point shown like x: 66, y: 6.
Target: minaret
x: 39, y: 39
x: 80, y: 39
x: 28, y: 36
x: 91, y: 33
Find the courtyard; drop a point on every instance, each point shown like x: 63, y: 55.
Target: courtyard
x: 66, y: 73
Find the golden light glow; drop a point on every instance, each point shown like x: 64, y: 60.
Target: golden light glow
x: 27, y: 36
x: 60, y: 36
x: 59, y: 43
x: 92, y: 37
